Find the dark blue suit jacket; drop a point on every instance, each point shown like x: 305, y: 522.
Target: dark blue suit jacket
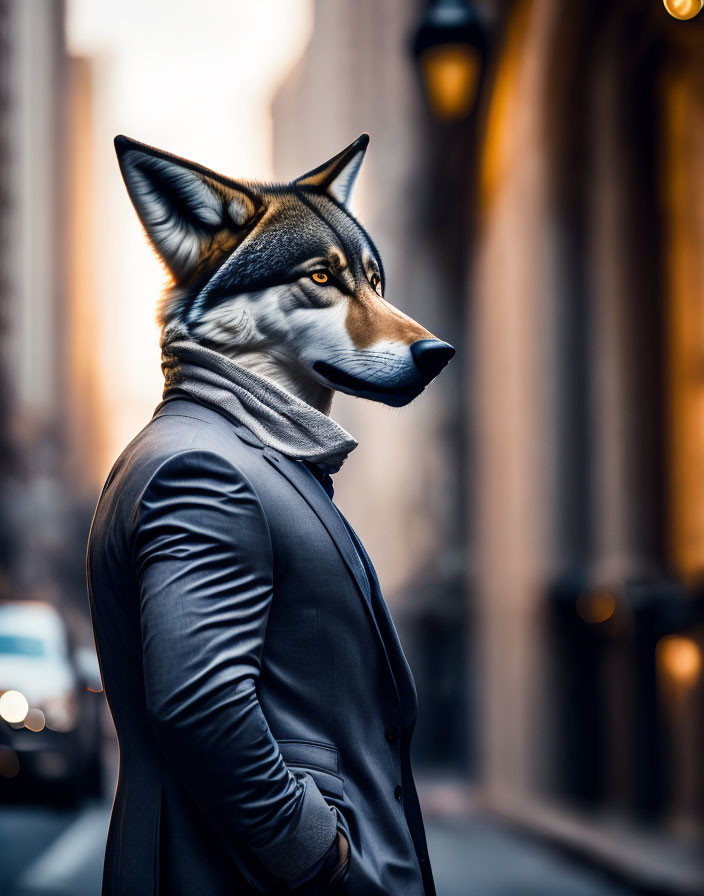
x: 253, y: 672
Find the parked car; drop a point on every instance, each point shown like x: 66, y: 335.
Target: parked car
x: 50, y: 734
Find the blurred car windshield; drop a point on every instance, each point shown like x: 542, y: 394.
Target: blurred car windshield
x: 21, y: 645
x: 32, y: 630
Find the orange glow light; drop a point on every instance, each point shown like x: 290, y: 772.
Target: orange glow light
x: 679, y: 659
x: 596, y: 607
x: 683, y: 9
x: 451, y: 74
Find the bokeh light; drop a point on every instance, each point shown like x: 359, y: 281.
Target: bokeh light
x: 13, y: 707
x: 683, y: 9
x: 596, y: 606
x: 679, y: 659
x: 35, y: 720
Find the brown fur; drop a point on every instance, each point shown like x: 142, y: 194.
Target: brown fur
x: 370, y: 320
x: 213, y: 252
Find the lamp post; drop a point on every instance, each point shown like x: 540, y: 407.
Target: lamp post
x: 447, y: 47
x: 450, y: 47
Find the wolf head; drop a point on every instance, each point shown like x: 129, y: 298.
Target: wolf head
x: 280, y: 276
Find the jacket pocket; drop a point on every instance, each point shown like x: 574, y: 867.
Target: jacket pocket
x: 321, y: 761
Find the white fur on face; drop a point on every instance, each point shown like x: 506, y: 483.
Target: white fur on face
x: 248, y: 322
x: 265, y: 328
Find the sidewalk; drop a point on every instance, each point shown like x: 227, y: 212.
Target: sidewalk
x: 488, y: 847
x: 475, y: 856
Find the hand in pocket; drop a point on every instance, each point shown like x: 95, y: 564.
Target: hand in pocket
x: 343, y: 852
x: 332, y: 873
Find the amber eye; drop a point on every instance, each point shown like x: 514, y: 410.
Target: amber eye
x: 375, y: 281
x: 320, y: 277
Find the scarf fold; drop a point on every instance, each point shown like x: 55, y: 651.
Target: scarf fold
x: 279, y: 419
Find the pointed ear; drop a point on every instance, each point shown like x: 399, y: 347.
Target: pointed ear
x: 180, y: 204
x: 338, y: 176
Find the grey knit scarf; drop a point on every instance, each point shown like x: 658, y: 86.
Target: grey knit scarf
x: 280, y: 419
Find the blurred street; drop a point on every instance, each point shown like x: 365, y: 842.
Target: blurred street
x: 52, y: 852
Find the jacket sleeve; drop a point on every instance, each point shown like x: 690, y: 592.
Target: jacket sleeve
x: 203, y: 558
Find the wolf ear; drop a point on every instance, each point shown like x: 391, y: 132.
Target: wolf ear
x: 180, y: 204
x: 338, y: 176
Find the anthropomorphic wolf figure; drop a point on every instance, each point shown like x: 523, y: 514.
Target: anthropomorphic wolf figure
x: 263, y: 703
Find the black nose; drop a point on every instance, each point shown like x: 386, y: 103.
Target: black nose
x: 431, y: 355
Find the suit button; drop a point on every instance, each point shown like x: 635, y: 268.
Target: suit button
x: 398, y: 791
x: 391, y: 733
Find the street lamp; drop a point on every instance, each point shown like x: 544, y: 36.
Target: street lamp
x: 450, y: 47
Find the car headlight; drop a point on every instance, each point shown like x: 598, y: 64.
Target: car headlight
x: 61, y: 713
x: 13, y: 707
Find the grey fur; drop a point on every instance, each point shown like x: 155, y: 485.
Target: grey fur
x: 247, y: 260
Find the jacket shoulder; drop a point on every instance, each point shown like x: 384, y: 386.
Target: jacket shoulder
x: 179, y: 427
x: 184, y: 426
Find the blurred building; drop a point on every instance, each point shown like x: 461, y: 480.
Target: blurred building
x: 43, y: 519
x: 585, y: 314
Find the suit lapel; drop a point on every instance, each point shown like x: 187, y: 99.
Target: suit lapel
x: 314, y: 495
x: 402, y: 671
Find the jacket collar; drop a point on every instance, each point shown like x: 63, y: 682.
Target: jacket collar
x: 277, y: 418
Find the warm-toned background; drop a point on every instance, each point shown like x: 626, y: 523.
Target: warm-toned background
x: 537, y: 516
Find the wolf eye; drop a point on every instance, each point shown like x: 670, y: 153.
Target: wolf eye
x: 375, y: 281
x: 320, y: 277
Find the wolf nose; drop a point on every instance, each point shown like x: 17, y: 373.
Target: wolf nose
x: 431, y: 355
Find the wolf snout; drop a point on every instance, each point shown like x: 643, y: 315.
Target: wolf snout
x: 431, y: 355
